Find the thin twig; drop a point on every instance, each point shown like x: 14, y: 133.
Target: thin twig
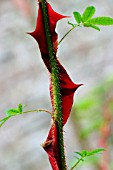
x: 68, y: 33
x: 28, y: 111
x: 38, y: 110
x: 4, y: 120
x: 76, y: 164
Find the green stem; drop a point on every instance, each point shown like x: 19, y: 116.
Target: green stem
x: 38, y: 110
x: 55, y: 85
x: 76, y: 164
x: 68, y: 33
x: 4, y: 120
x: 28, y: 111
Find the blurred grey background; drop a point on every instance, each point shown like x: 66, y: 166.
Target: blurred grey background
x: 87, y: 55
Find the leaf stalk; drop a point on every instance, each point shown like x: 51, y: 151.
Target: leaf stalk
x: 74, y: 26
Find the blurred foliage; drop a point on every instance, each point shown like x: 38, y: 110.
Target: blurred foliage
x: 92, y: 117
x: 84, y: 154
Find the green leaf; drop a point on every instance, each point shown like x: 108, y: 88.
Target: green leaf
x: 84, y: 153
x: 87, y: 24
x: 20, y: 108
x: 88, y: 13
x: 96, y: 151
x: 77, y: 17
x: 95, y: 27
x: 12, y: 112
x: 104, y: 21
